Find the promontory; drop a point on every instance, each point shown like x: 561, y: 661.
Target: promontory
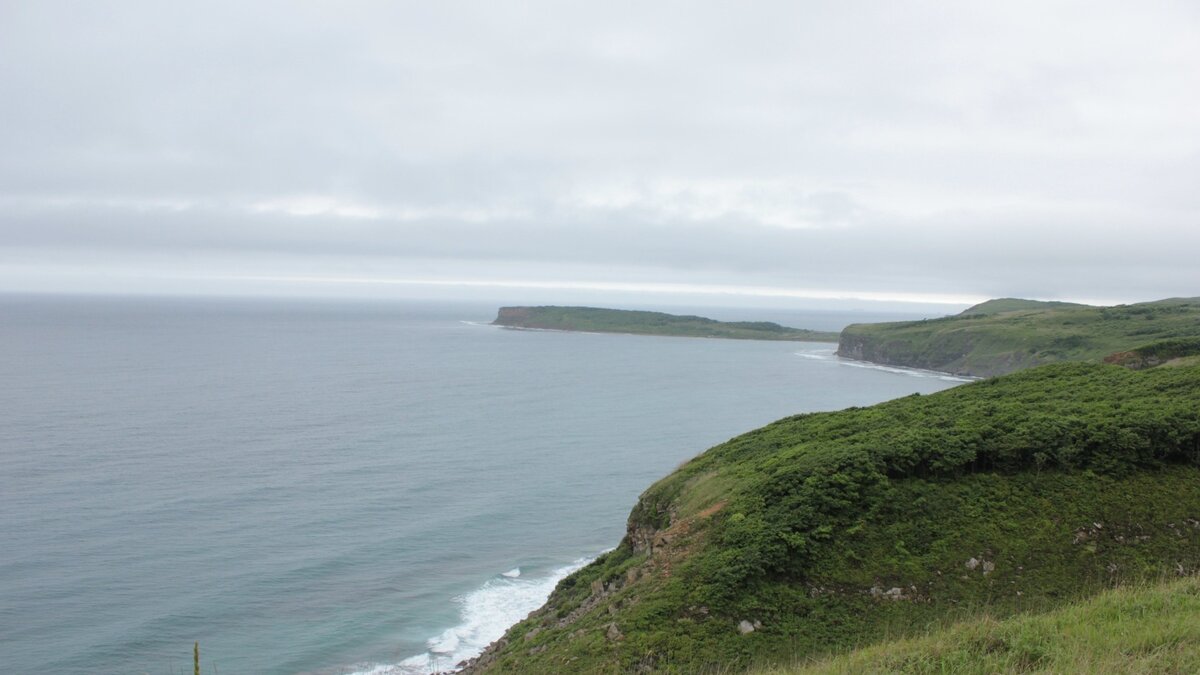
x: 600, y: 320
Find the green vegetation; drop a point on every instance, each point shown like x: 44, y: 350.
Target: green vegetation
x: 1002, y: 336
x: 1177, y: 352
x: 1137, y: 629
x: 826, y: 532
x: 597, y: 320
x: 968, y: 528
x: 1001, y: 305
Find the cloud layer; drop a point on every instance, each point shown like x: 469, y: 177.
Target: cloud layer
x: 977, y: 149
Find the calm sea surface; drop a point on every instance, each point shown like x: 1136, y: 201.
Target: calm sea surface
x: 308, y: 487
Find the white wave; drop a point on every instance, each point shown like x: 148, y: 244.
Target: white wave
x: 381, y: 670
x: 489, y: 324
x: 817, y: 354
x: 913, y: 372
x: 485, y: 614
x: 831, y: 356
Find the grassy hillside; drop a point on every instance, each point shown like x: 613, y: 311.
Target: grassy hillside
x: 827, y: 531
x: 1137, y: 629
x: 1002, y: 336
x: 598, y: 320
x: 1001, y: 305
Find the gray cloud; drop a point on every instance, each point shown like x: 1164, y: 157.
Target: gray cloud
x: 1040, y: 149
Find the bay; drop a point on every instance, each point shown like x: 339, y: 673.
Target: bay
x: 335, y: 487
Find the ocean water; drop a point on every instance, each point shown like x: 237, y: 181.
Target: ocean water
x: 326, y: 488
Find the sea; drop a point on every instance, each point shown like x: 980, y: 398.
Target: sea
x: 329, y: 487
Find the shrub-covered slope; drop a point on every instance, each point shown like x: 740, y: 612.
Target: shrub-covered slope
x: 1002, y: 336
x: 830, y: 530
x: 600, y: 320
x: 1151, y: 628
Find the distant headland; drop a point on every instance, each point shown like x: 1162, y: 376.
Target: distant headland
x: 600, y: 320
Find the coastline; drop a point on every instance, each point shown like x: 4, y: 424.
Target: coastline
x: 673, y: 335
x: 833, y: 357
x: 909, y: 370
x: 643, y: 322
x: 485, y: 615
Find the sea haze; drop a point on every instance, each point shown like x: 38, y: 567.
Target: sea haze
x: 310, y: 487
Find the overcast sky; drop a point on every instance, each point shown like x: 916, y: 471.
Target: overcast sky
x: 930, y: 151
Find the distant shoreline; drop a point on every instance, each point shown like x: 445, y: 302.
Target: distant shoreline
x: 610, y: 332
x: 632, y: 322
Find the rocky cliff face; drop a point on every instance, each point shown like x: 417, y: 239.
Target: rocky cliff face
x: 858, y: 347
x: 649, y: 537
x: 904, y: 353
x: 513, y: 316
x: 952, y: 352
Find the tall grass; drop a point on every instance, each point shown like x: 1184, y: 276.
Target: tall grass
x: 1140, y: 628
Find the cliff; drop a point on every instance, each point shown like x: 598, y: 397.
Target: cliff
x: 600, y: 320
x: 825, y: 531
x: 1003, y: 336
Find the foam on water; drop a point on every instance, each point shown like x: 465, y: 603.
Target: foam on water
x: 913, y: 372
x: 817, y: 354
x: 831, y: 356
x: 485, y: 614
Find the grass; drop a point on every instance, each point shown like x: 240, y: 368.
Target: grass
x: 1141, y: 628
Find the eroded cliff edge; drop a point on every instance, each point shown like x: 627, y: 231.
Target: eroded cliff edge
x: 828, y: 530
